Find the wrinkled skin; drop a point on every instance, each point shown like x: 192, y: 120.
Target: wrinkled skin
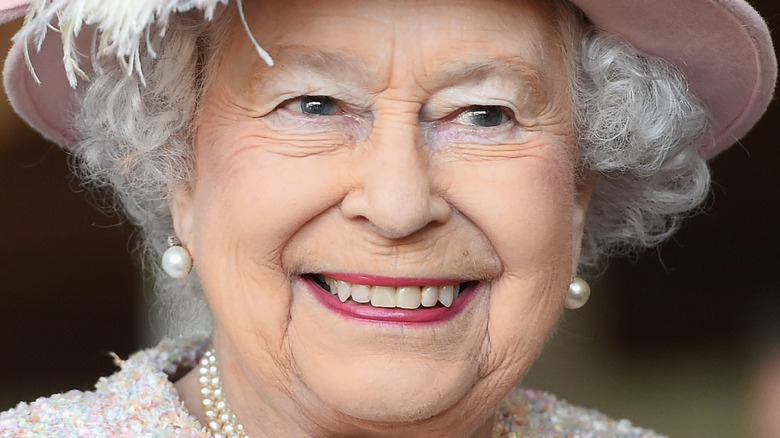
x: 398, y: 177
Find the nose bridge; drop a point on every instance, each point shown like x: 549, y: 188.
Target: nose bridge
x: 396, y: 158
x: 395, y: 192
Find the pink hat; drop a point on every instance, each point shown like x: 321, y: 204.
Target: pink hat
x: 722, y: 46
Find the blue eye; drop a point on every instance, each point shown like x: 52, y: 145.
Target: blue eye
x: 483, y: 116
x: 318, y: 105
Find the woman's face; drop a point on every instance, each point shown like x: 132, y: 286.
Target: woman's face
x: 397, y: 151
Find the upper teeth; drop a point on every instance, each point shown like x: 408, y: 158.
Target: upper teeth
x: 405, y: 297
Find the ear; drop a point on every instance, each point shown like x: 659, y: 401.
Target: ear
x: 584, y: 192
x: 182, y: 206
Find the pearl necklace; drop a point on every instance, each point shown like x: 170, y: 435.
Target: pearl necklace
x: 221, y: 420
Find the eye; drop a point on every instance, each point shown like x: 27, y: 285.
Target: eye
x: 316, y: 105
x: 485, y: 116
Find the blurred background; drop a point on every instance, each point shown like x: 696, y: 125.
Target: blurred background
x: 684, y: 340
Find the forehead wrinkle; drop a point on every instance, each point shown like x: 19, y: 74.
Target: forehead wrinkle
x: 332, y: 65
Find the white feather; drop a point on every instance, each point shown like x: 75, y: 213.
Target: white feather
x: 122, y: 25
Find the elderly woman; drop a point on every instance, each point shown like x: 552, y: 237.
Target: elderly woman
x: 376, y: 210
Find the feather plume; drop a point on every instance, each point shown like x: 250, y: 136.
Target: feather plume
x: 121, y: 26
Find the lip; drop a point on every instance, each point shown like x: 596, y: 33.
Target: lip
x: 391, y: 316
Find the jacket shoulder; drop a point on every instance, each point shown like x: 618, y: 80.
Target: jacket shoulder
x: 138, y: 400
x: 526, y: 412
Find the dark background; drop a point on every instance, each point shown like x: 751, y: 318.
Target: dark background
x: 69, y: 288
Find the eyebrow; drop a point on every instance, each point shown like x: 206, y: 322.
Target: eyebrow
x: 344, y: 67
x: 527, y: 75
x: 335, y: 66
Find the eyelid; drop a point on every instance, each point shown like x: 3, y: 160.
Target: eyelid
x: 443, y: 107
x: 442, y: 136
x: 486, y: 92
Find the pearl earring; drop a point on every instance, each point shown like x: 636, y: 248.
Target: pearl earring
x: 176, y: 260
x: 578, y: 295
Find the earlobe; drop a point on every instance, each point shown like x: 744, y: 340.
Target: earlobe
x: 181, y: 205
x: 584, y: 192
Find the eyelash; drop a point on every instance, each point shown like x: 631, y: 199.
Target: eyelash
x: 300, y: 101
x: 337, y: 109
x: 506, y: 115
x: 438, y: 131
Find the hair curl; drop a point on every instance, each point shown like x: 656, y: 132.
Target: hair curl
x: 637, y: 125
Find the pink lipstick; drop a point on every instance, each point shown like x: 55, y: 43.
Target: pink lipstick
x: 365, y: 312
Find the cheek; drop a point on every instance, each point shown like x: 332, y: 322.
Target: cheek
x: 524, y: 206
x: 249, y: 202
x: 252, y: 191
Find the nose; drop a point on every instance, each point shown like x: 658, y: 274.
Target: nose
x: 395, y: 191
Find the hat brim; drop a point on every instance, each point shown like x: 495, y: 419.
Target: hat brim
x: 12, y: 9
x: 722, y: 46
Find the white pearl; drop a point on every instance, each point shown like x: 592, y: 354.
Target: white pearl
x: 578, y: 295
x: 222, y: 421
x: 177, y: 262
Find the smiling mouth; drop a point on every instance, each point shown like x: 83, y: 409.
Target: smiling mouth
x: 403, y: 297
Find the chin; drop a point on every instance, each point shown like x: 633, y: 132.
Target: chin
x: 393, y: 390
x: 376, y: 366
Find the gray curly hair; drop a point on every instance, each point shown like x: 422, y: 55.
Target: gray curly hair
x: 637, y: 126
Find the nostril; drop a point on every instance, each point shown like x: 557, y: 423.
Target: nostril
x: 441, y: 210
